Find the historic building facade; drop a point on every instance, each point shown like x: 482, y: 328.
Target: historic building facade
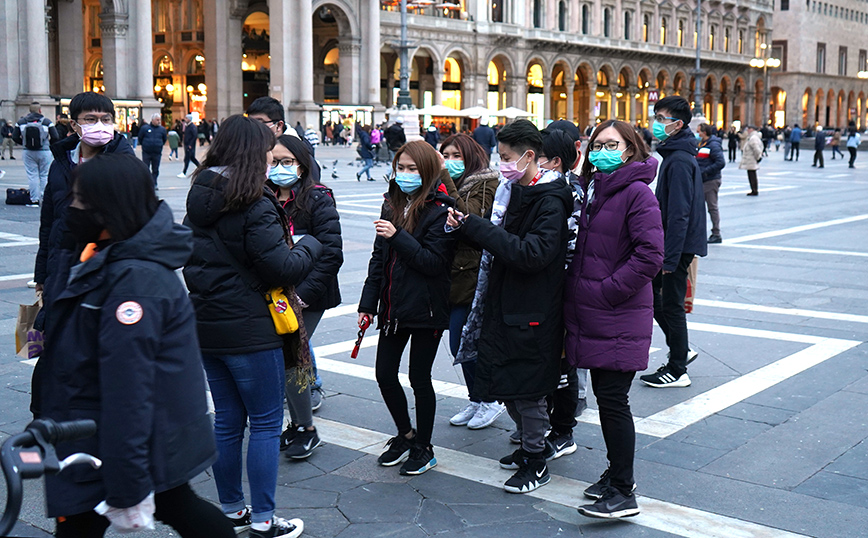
x: 584, y: 60
x: 823, y: 76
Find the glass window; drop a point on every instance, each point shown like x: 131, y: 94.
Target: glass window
x: 821, y: 57
x: 497, y: 10
x: 628, y: 25
x: 607, y: 22
x: 562, y: 16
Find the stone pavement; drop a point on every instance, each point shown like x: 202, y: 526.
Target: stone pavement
x: 771, y: 440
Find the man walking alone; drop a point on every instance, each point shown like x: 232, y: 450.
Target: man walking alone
x: 152, y: 138
x: 36, y: 133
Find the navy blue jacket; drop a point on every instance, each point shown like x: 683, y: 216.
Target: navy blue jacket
x: 711, y: 165
x: 820, y: 140
x: 485, y: 137
x: 365, y: 146
x: 152, y: 139
x: 122, y: 350
x: 682, y: 202
x: 191, y: 135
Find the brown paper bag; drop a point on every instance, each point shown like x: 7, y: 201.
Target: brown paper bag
x: 691, y: 285
x: 28, y: 341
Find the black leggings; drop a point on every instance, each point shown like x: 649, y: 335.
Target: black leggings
x: 611, y: 390
x: 423, y: 349
x: 180, y: 508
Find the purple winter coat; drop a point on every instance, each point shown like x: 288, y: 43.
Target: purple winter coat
x: 608, y: 304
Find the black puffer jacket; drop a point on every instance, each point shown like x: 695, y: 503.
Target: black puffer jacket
x: 409, y: 275
x: 710, y: 158
x: 320, y: 290
x: 122, y: 351
x: 522, y: 335
x: 232, y: 316
x: 682, y: 202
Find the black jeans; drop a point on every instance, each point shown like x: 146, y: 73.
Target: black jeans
x: 180, y: 508
x: 818, y: 156
x: 563, y: 402
x: 852, y: 156
x: 669, y: 290
x: 752, y: 179
x: 152, y: 161
x: 423, y: 349
x: 189, y: 156
x: 611, y: 389
x: 732, y: 153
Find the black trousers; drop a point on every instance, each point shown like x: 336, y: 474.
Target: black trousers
x: 180, y: 508
x: 669, y: 290
x: 423, y: 349
x: 752, y: 179
x: 152, y: 161
x: 611, y: 389
x: 732, y: 153
x: 852, y: 156
x: 563, y: 402
x: 189, y: 156
x: 818, y: 156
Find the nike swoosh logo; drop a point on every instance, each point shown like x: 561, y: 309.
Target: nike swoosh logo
x: 560, y: 447
x: 540, y: 473
x: 308, y: 445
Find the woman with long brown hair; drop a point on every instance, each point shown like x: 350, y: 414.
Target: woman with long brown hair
x: 471, y: 181
x: 408, y: 289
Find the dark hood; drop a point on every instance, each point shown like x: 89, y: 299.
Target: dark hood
x: 32, y: 117
x: 161, y: 240
x: 205, y: 202
x: 607, y: 184
x: 61, y: 149
x: 525, y: 196
x: 683, y: 140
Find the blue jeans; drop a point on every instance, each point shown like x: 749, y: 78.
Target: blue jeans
x: 247, y: 386
x: 369, y: 163
x: 457, y: 319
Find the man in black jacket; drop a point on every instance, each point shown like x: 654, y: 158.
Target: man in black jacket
x: 191, y: 134
x: 484, y: 136
x: 395, y: 137
x: 680, y: 193
x: 819, y: 145
x: 152, y: 138
x: 57, y: 249
x: 711, y: 161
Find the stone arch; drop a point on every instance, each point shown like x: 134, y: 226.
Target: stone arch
x: 805, y: 109
x: 506, y: 63
x: 562, y: 77
x: 663, y: 81
x: 345, y: 16
x: 680, y: 84
x: 644, y: 76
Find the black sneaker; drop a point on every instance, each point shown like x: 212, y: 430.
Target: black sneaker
x: 513, y: 461
x: 287, y: 436
x: 595, y: 491
x: 240, y: 520
x: 280, y: 528
x: 421, y: 459
x: 561, y: 445
x: 664, y: 378
x: 303, y: 444
x: 531, y: 474
x: 398, y: 450
x: 715, y: 239
x: 612, y: 505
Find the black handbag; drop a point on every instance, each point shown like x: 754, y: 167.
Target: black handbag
x: 17, y: 196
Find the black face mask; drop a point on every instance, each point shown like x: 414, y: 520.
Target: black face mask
x: 84, y: 225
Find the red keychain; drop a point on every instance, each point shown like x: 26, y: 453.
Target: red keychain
x: 363, y: 326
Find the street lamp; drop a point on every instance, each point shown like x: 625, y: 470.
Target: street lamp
x: 697, y: 92
x: 764, y: 63
x: 404, y: 100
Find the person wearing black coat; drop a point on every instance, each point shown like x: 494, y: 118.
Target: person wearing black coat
x: 407, y: 288
x: 515, y: 327
x: 240, y: 252
x: 366, y: 152
x: 819, y: 145
x: 732, y: 144
x: 680, y: 193
x: 57, y: 250
x: 484, y: 136
x: 395, y: 137
x: 191, y: 134
x: 711, y: 161
x: 153, y: 137
x: 432, y: 136
x: 121, y: 350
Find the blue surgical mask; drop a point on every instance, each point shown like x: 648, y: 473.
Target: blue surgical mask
x: 409, y: 183
x: 605, y: 160
x: 283, y: 176
x: 698, y: 137
x: 659, y: 130
x: 455, y: 167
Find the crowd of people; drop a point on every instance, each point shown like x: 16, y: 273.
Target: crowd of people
x: 547, y: 271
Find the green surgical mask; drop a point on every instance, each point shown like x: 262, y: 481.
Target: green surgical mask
x: 659, y: 131
x: 607, y: 161
x: 455, y: 167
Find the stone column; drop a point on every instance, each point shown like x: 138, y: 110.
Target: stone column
x: 370, y: 94
x: 812, y: 109
x: 36, y: 50
x: 519, y: 93
x: 116, y: 58
x: 751, y: 113
x: 301, y: 106
x: 349, y: 52
x: 592, y: 102
x: 143, y: 57
x: 635, y: 105
x: 234, y: 51
x: 571, y: 89
x: 437, y: 90
x: 284, y: 64
x: 547, y: 99
x: 510, y: 89
x: 70, y: 52
x: 217, y: 60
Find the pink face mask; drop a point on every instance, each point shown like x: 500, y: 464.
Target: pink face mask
x: 97, y: 135
x: 510, y: 170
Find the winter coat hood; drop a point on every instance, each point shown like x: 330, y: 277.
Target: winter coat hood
x: 683, y: 140
x: 608, y: 184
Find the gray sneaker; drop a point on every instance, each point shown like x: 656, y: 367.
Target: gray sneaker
x: 316, y: 398
x: 612, y: 505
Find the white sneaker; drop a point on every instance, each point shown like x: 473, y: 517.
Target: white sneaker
x: 486, y: 415
x: 464, y: 416
x: 2, y: 174
x: 31, y: 284
x: 182, y: 174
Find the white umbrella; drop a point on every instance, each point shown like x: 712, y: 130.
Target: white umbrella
x: 512, y: 113
x: 476, y: 112
x: 440, y: 111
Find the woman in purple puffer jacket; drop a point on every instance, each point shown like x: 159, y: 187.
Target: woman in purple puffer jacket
x: 608, y: 300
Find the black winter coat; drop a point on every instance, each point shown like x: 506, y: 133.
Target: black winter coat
x: 485, y: 137
x: 191, y: 135
x: 122, y: 351
x: 57, y: 250
x: 152, y: 139
x: 233, y: 317
x: 682, y: 201
x: 712, y: 161
x: 522, y: 337
x: 320, y: 290
x: 409, y: 274
x: 395, y: 137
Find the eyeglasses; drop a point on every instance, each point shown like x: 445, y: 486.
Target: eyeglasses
x: 108, y: 119
x: 611, y: 145
x: 660, y: 118
x: 284, y: 162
